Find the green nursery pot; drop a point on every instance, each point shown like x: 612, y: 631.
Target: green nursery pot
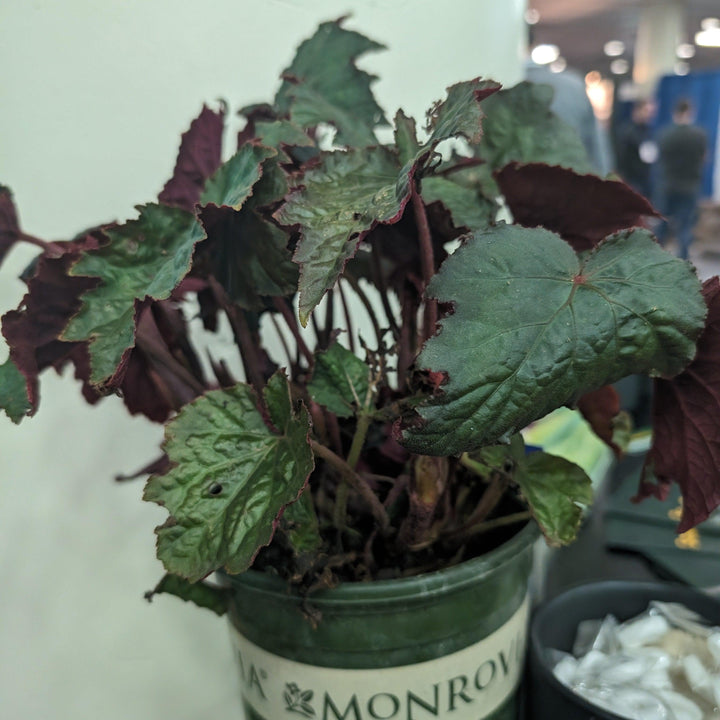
x: 447, y: 644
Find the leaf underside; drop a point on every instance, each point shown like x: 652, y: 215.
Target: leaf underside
x: 535, y: 326
x: 686, y: 424
x: 198, y: 158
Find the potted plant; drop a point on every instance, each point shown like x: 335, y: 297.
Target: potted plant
x: 351, y: 480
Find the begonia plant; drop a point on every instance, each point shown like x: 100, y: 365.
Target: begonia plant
x: 498, y: 279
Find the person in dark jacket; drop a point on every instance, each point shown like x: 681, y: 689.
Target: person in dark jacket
x: 636, y: 149
x: 682, y: 150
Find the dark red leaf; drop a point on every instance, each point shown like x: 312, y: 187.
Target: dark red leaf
x: 9, y: 225
x: 162, y: 372
x: 600, y: 408
x: 686, y: 424
x: 157, y: 467
x: 53, y: 297
x: 253, y: 114
x: 583, y: 209
x: 198, y: 158
x: 222, y: 373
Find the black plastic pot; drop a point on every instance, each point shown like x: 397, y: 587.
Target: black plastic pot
x: 443, y: 644
x: 554, y: 625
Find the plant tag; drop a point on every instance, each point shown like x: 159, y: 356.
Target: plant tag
x: 466, y: 685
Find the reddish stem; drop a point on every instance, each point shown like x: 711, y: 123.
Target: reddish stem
x: 282, y: 307
x: 348, y: 319
x: 242, y: 334
x: 427, y: 260
x: 51, y: 248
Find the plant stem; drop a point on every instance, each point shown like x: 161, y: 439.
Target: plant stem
x: 243, y: 336
x: 363, y: 425
x: 51, y: 248
x: 329, y: 317
x: 407, y: 333
x: 156, y: 351
x: 348, y: 320
x: 491, y: 497
x: 365, y: 300
x: 427, y: 260
x: 354, y: 480
x: 379, y: 281
x: 497, y: 522
x: 281, y: 336
x: 473, y: 465
x: 282, y: 307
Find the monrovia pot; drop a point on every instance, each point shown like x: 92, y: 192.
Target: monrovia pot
x: 446, y: 644
x: 554, y: 625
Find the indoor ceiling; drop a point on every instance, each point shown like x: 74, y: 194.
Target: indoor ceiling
x: 580, y: 28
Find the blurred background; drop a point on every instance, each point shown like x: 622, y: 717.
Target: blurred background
x: 93, y: 100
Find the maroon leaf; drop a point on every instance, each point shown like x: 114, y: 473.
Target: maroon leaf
x: 686, y: 423
x: 583, y: 209
x: 253, y: 114
x: 9, y: 225
x: 198, y: 158
x: 33, y: 329
x: 159, y: 466
x: 162, y: 372
x: 600, y: 408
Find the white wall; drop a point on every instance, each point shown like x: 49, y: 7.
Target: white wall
x: 93, y: 99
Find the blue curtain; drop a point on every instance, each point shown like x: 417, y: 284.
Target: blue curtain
x: 702, y: 89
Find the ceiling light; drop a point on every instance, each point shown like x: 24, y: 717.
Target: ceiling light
x: 545, y: 54
x: 709, y: 37
x: 614, y: 48
x: 710, y: 23
x: 619, y: 66
x: 685, y: 51
x: 532, y: 16
x: 681, y: 68
x: 559, y: 65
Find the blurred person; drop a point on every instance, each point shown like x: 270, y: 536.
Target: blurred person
x: 572, y: 105
x: 682, y: 152
x: 635, y: 148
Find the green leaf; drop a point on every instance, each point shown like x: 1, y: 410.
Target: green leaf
x: 520, y: 126
x: 467, y: 207
x: 231, y: 477
x: 340, y: 379
x: 350, y: 192
x: 233, y: 183
x: 535, y: 326
x: 460, y: 113
x: 147, y: 257
x: 249, y: 254
x: 323, y: 85
x: 201, y: 594
x: 282, y: 133
x: 406, y: 137
x: 341, y: 200
x: 556, y: 490
x: 301, y: 524
x: 13, y: 392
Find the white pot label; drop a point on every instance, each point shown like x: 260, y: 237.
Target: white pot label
x: 467, y: 685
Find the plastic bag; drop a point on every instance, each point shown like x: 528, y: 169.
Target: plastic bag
x: 661, y: 665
